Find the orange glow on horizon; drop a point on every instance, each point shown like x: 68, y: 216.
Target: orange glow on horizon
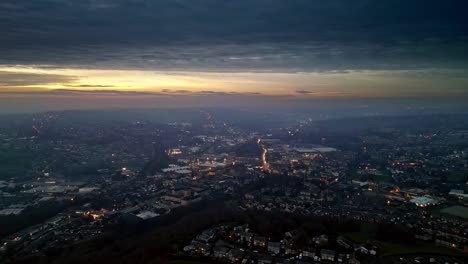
x: 363, y: 83
x: 148, y: 81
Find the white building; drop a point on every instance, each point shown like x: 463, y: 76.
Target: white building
x: 423, y: 201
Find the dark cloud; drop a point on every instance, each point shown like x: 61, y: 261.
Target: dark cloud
x: 46, y: 91
x: 90, y: 86
x: 175, y: 91
x: 205, y: 92
x: 98, y: 92
x: 260, y: 35
x: 304, y: 92
x: 164, y: 92
x: 214, y: 93
x: 319, y: 93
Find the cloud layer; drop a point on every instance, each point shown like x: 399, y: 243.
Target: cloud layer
x: 241, y: 35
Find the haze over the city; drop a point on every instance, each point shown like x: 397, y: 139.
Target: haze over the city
x: 63, y: 54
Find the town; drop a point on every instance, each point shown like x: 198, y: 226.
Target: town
x: 393, y: 192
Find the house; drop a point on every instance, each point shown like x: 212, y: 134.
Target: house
x: 264, y: 259
x: 346, y: 243
x: 289, y: 250
x: 322, y: 239
x: 291, y: 234
x: 206, y: 235
x: 284, y: 261
x: 353, y: 260
x: 363, y: 250
x: 235, y: 255
x: 238, y: 230
x: 328, y: 254
x: 274, y: 247
x: 220, y: 252
x: 309, y: 253
x: 247, y: 237
x: 342, y: 258
x: 201, y: 248
x: 259, y: 241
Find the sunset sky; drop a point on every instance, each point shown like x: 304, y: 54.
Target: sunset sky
x: 100, y: 51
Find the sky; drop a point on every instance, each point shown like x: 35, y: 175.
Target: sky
x: 110, y: 53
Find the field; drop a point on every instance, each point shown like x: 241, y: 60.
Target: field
x: 367, y: 234
x: 457, y: 177
x: 185, y: 262
x: 375, y: 178
x: 15, y: 163
x: 456, y: 210
x: 419, y: 247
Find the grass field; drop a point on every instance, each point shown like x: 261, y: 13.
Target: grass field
x: 458, y: 177
x: 185, y: 262
x: 419, y: 247
x: 367, y: 232
x: 375, y: 178
x: 456, y: 210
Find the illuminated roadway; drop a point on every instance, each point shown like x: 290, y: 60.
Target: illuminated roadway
x: 266, y: 166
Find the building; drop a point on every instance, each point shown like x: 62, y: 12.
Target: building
x: 259, y: 241
x: 220, y: 252
x: 309, y: 253
x: 247, y: 237
x: 460, y: 194
x: 274, y: 247
x: 328, y: 254
x: 423, y: 201
x: 235, y: 255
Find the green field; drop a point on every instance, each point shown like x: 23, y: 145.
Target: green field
x: 457, y: 177
x: 374, y: 178
x: 367, y: 233
x: 185, y: 262
x: 456, y: 210
x: 15, y: 163
x: 419, y: 247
